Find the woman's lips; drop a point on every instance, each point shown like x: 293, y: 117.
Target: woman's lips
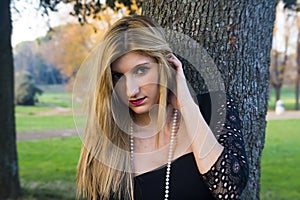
x: 137, y: 101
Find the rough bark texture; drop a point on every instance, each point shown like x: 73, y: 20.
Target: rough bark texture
x: 237, y: 35
x: 9, y: 178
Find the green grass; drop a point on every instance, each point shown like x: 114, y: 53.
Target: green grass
x: 62, y: 99
x: 30, y: 110
x: 44, y: 122
x: 48, y: 168
x: 280, y: 166
x: 30, y: 117
x: 287, y: 95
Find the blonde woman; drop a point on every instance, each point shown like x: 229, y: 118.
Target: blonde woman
x: 145, y: 137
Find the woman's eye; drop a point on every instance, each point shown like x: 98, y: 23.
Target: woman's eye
x: 141, y: 70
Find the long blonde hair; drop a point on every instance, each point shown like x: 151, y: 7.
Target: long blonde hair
x: 104, y: 169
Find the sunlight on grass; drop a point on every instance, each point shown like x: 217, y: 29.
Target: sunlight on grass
x: 280, y: 161
x: 30, y: 110
x: 35, y: 122
x: 57, y: 99
x: 48, y: 167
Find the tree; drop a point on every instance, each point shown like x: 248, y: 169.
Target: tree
x: 298, y: 66
x: 277, y: 69
x: 27, y: 90
x: 72, y: 42
x: 238, y: 36
x: 294, y: 6
x: 9, y: 176
x: 28, y: 58
x: 279, y: 59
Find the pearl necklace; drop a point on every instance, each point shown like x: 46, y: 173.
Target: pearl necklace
x: 170, y: 153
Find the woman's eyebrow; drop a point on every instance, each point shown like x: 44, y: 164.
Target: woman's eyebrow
x: 141, y: 64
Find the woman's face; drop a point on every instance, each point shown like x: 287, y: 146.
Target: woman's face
x: 135, y: 78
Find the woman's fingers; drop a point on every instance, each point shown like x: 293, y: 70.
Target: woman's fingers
x: 183, y: 92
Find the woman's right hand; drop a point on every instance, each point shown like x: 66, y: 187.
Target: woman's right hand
x: 183, y: 96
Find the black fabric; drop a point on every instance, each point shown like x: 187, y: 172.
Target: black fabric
x: 227, y: 177
x: 185, y: 182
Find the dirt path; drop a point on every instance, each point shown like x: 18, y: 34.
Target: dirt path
x: 43, y: 134
x: 286, y: 115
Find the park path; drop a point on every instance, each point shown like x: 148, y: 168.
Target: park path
x: 61, y: 133
x: 271, y: 115
x: 44, y: 134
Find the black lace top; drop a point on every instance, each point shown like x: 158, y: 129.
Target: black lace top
x: 227, y: 177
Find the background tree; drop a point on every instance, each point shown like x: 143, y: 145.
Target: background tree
x: 26, y: 90
x: 294, y: 6
x: 9, y: 175
x: 28, y: 58
x: 279, y: 59
x: 69, y: 45
x: 297, y: 88
x: 277, y: 69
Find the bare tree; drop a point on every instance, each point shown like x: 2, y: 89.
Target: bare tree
x: 294, y: 7
x: 277, y: 69
x: 298, y: 66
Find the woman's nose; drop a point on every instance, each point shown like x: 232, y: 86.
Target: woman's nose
x: 132, y: 86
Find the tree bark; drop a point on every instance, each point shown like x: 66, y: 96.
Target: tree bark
x: 298, y: 72
x: 238, y: 36
x: 9, y: 177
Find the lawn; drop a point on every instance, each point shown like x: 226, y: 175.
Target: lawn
x: 280, y: 166
x: 36, y: 117
x: 36, y: 122
x: 62, y: 99
x: 48, y: 167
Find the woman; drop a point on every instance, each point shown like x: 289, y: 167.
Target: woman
x: 145, y: 137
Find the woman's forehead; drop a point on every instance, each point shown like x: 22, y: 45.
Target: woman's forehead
x: 130, y: 60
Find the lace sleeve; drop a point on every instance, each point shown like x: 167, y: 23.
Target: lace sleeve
x: 228, y: 176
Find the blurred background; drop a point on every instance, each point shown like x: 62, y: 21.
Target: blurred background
x: 48, y: 50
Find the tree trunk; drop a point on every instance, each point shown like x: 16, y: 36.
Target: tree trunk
x: 298, y: 72
x: 277, y: 92
x: 297, y: 88
x: 238, y: 36
x: 9, y: 177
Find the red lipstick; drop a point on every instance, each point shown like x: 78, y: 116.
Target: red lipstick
x: 137, y: 101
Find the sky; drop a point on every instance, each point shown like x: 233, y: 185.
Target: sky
x: 29, y: 23
x: 281, y: 24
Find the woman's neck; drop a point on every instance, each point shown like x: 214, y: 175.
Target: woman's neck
x: 144, y: 119
x: 146, y: 125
